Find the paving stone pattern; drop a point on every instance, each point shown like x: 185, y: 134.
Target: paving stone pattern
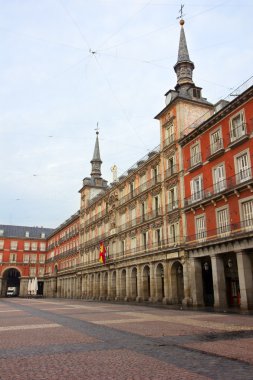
x: 70, y: 339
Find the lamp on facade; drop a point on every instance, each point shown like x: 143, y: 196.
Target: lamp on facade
x: 230, y: 263
x: 179, y: 270
x: 206, y: 266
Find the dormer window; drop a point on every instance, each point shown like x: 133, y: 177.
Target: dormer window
x: 27, y: 234
x: 196, y: 93
x: 43, y: 235
x: 1, y: 232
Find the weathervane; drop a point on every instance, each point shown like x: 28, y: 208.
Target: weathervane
x: 181, y: 12
x: 97, y: 129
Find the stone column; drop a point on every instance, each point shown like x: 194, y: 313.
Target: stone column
x: 118, y: 285
x: 187, y: 301
x: 139, y: 297
x: 152, y: 297
x: 219, y: 282
x: 245, y: 280
x: 23, y: 287
x: 166, y: 283
x: 128, y: 286
x: 196, y: 282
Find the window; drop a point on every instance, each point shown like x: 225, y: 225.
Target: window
x: 42, y: 247
x: 13, y: 257
x: 170, y: 135
x: 1, y: 244
x: 143, y: 210
x: 42, y: 258
x: 196, y: 93
x: 1, y: 257
x: 156, y: 205
x: 26, y: 246
x: 41, y: 271
x: 133, y: 216
x: 155, y: 173
x: 33, y: 258
x: 216, y: 141
x: 196, y: 189
x: 123, y: 247
x: 27, y: 234
x: 222, y: 221
x: 171, y: 166
x: 26, y: 258
x: 133, y: 243
x: 42, y: 235
x: 1, y: 232
x: 143, y: 182
x: 14, y: 245
x: 243, y: 171
x: 237, y: 127
x: 219, y: 178
x: 144, y: 240
x: 195, y: 154
x: 247, y: 213
x: 32, y: 272
x: 34, y: 246
x: 158, y: 237
x: 200, y: 225
x: 132, y: 189
x: 173, y: 233
x: 172, y: 201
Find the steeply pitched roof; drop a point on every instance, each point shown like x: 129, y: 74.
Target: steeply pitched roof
x: 20, y: 231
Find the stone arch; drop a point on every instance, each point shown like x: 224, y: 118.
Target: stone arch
x: 159, y: 282
x: 11, y: 278
x: 177, y: 282
x: 146, y: 283
x: 133, y: 284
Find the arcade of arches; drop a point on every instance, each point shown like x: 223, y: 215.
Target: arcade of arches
x: 11, y: 277
x: 221, y: 280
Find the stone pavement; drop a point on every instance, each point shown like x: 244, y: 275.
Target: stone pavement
x: 74, y: 339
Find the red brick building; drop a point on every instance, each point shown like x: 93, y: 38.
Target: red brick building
x: 63, y: 258
x: 22, y: 257
x: 218, y: 207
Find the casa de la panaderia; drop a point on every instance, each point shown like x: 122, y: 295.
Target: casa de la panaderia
x: 176, y: 228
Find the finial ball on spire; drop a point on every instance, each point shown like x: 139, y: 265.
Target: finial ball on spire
x: 181, y: 22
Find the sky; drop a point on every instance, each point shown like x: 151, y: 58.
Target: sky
x: 66, y: 65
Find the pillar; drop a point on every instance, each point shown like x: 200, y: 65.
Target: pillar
x: 196, y: 282
x: 139, y: 284
x: 219, y: 282
x: 152, y: 297
x: 245, y: 280
x: 187, y: 301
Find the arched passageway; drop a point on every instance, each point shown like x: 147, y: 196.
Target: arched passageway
x: 11, y: 278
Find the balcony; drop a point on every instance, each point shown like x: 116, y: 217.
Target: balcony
x: 241, y: 179
x: 171, y: 171
x: 143, y: 187
x: 238, y: 134
x: 215, y: 150
x: 169, y: 140
x: 194, y: 162
x: 224, y: 232
x: 172, y: 206
x: 140, y: 219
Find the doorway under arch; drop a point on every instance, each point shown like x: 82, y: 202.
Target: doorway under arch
x: 11, y: 278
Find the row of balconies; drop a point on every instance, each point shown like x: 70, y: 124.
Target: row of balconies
x: 63, y: 239
x: 244, y: 178
x: 237, y: 135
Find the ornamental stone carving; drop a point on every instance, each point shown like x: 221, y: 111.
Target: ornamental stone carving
x: 171, y: 182
x: 143, y: 198
x: 174, y: 217
x: 132, y: 205
x: 156, y: 191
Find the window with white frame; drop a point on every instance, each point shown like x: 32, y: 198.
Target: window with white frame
x: 242, y: 167
x: 13, y: 257
x: 216, y: 141
x: 200, y: 226
x: 171, y: 163
x: 14, y: 245
x: 42, y: 246
x: 26, y: 246
x: 42, y: 258
x: 219, y: 178
x: 33, y: 272
x: 1, y: 244
x: 196, y: 188
x: 237, y: 126
x: 1, y: 257
x: 42, y: 235
x: 34, y: 246
x: 247, y: 213
x: 1, y: 232
x: 41, y: 271
x: 172, y: 199
x: 195, y: 154
x: 133, y: 242
x: 33, y: 258
x: 222, y: 220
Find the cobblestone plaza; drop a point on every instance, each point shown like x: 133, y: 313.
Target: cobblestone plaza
x: 70, y: 339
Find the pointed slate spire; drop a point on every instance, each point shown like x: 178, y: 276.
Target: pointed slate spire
x: 184, y: 65
x: 96, y: 160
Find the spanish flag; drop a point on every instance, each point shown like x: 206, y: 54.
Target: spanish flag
x: 102, y: 252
